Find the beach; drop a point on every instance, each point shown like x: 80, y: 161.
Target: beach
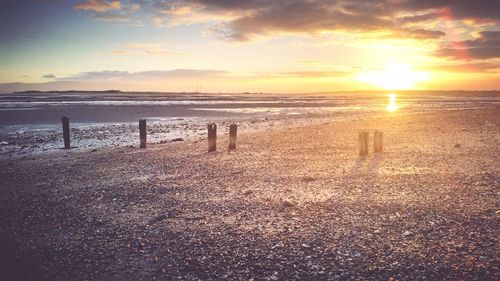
x: 294, y: 201
x: 282, y: 140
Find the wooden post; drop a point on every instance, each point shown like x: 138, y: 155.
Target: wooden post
x: 212, y: 137
x: 233, y: 129
x: 363, y: 143
x: 65, y: 125
x: 142, y: 132
x: 377, y: 141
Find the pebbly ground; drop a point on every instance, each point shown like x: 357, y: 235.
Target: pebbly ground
x: 291, y: 203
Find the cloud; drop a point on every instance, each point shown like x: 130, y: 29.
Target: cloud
x: 112, y: 17
x: 246, y: 20
x: 320, y: 16
x: 464, y: 68
x: 486, y: 46
x: 417, y: 33
x: 193, y: 74
x: 98, y: 6
x: 394, y: 18
x: 298, y: 74
x: 418, y: 18
x: 145, y: 75
x: 49, y: 76
x: 96, y: 76
x: 477, y: 10
x: 317, y: 74
x: 146, y: 49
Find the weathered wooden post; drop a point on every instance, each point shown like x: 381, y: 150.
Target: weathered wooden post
x: 363, y: 143
x: 212, y: 137
x: 142, y: 132
x: 377, y: 141
x: 65, y: 125
x: 233, y: 129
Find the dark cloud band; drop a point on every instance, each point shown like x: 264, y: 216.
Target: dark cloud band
x: 246, y: 20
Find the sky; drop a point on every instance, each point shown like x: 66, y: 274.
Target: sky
x: 289, y: 46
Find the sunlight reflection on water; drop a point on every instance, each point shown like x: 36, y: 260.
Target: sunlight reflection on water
x: 392, y: 106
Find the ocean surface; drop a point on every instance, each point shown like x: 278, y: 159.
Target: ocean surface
x: 30, y: 123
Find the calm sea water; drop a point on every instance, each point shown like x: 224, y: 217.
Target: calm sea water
x: 47, y: 108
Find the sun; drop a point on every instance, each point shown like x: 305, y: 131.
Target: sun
x: 394, y: 77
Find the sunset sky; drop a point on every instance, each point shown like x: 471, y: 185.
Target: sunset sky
x: 252, y: 45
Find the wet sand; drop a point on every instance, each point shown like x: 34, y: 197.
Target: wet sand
x: 292, y: 202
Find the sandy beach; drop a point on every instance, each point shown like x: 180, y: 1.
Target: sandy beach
x: 292, y: 202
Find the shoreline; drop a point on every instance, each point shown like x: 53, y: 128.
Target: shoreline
x: 169, y: 123
x: 26, y: 140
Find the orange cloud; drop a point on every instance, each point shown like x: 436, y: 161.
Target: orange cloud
x: 486, y: 46
x: 464, y: 68
x: 141, y: 49
x: 98, y: 6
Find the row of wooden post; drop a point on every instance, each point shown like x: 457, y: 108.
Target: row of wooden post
x: 233, y: 129
x: 212, y: 134
x: 363, y: 142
